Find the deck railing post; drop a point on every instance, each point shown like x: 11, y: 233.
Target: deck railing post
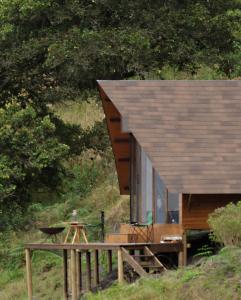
x: 65, y: 273
x: 96, y: 268
x: 182, y: 255
x: 185, y: 248
x: 79, y: 271
x: 109, y: 260
x: 73, y: 274
x: 120, y: 266
x: 29, y: 274
x: 88, y: 270
x: 102, y: 224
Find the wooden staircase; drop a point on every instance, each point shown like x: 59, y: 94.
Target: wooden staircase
x: 145, y: 263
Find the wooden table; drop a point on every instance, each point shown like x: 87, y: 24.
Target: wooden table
x: 76, y: 229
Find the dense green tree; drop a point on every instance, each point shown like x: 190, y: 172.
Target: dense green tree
x: 52, y: 50
x: 30, y: 152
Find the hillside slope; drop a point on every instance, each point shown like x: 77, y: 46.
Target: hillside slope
x: 217, y: 277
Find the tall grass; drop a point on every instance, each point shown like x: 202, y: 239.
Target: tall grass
x: 80, y: 112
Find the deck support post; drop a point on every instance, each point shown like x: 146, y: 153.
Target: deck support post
x: 65, y: 273
x: 109, y: 260
x: 185, y: 248
x: 78, y: 273
x: 96, y: 268
x: 88, y: 270
x: 29, y: 274
x: 120, y: 266
x: 182, y: 255
x: 73, y: 274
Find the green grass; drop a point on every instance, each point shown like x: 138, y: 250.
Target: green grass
x: 80, y: 112
x: 218, y: 277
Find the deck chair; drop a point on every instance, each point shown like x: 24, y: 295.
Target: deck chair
x: 144, y: 230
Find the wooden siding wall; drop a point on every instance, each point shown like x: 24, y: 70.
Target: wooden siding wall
x: 197, y: 208
x: 120, y: 143
x: 159, y: 230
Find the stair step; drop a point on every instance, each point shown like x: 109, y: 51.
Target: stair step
x: 143, y: 256
x: 153, y: 267
x: 146, y: 264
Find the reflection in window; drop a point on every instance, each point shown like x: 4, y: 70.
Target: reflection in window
x: 160, y: 200
x: 146, y: 188
x: 148, y: 191
x: 173, y: 208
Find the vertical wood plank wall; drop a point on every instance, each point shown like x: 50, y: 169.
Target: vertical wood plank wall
x: 196, y: 208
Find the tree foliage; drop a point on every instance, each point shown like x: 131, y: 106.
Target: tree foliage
x: 55, y: 49
x: 52, y: 48
x: 29, y: 152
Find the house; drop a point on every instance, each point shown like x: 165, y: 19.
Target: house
x: 177, y: 148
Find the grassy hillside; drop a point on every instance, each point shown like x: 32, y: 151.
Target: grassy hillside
x: 217, y: 277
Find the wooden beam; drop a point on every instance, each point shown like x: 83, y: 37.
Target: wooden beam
x: 29, y: 274
x: 115, y: 119
x: 180, y: 259
x: 65, y: 273
x: 121, y: 140
x: 124, y: 159
x: 167, y: 247
x: 182, y: 255
x: 184, y: 248
x: 88, y: 270
x: 120, y: 266
x: 73, y: 274
x: 96, y: 268
x: 109, y: 260
x: 157, y: 261
x: 78, y: 273
x: 133, y: 263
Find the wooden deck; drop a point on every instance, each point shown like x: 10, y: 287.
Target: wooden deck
x: 165, y: 247
x: 126, y: 252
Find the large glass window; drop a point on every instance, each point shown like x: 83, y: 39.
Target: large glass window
x: 133, y: 181
x: 150, y: 200
x: 173, y: 208
x: 146, y: 188
x: 161, y: 200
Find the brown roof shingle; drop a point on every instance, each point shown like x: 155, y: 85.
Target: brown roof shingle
x: 191, y: 130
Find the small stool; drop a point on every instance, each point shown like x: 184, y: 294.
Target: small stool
x: 77, y: 229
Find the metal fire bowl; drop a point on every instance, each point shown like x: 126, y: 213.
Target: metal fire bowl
x: 51, y: 230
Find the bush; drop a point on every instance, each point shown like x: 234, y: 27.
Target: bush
x: 226, y: 224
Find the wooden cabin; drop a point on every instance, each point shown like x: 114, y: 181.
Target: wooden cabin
x: 177, y: 149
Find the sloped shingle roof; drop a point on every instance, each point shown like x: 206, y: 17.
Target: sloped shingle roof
x: 191, y: 130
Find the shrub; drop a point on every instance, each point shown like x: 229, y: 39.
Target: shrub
x: 225, y: 223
